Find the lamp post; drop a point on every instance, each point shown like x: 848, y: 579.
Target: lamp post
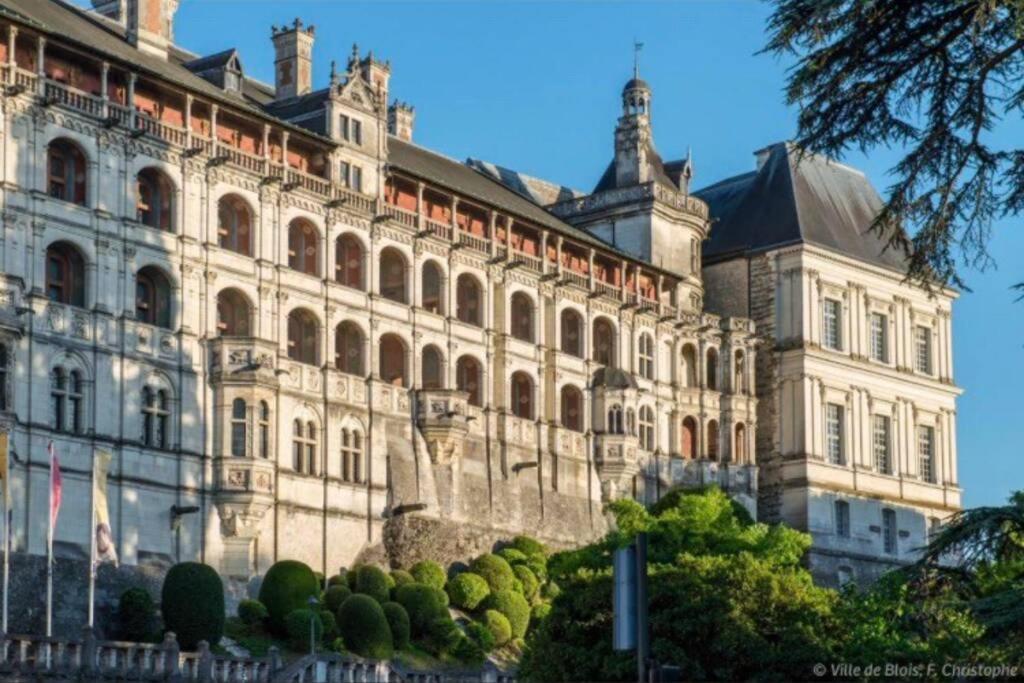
x: 313, y: 602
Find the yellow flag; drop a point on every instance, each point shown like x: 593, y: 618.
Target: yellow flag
x: 105, y: 551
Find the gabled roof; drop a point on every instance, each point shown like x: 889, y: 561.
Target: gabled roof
x: 787, y: 200
x: 218, y: 60
x: 656, y: 168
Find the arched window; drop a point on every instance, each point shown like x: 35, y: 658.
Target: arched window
x: 469, y: 378
x: 264, y: 424
x: 155, y: 416
x: 522, y: 395
x: 688, y: 371
x: 521, y: 317
x: 154, y: 203
x: 469, y: 300
x: 303, y: 247
x: 302, y: 337
x: 433, y: 288
x: 58, y: 398
x: 233, y: 314
x: 432, y: 369
x: 65, y: 274
x: 739, y: 373
x: 603, y: 351
x: 392, y: 275
x: 76, y: 396
x: 348, y: 262
x: 689, y: 438
x: 615, y: 424
x: 712, y: 369
x: 645, y: 360
x: 393, y: 361
x: 572, y: 333
x: 712, y: 440
x: 66, y: 173
x: 740, y: 449
x: 239, y: 423
x: 234, y: 224
x: 153, y: 297
x: 647, y: 428
x: 348, y: 349
x: 351, y: 456
x: 572, y: 408
x: 304, y: 447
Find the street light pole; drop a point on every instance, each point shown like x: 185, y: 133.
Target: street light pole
x: 313, y: 602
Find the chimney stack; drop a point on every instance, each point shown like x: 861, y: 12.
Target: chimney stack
x: 293, y: 59
x: 401, y: 118
x: 111, y: 9
x: 151, y: 25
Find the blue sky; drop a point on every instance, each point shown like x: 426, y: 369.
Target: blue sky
x: 535, y: 86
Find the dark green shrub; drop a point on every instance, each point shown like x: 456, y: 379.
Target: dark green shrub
x: 481, y: 635
x: 372, y: 581
x: 192, y: 603
x: 350, y: 578
x: 401, y: 577
x: 334, y: 596
x: 468, y: 651
x: 539, y: 612
x: 442, y: 596
x: 495, y: 570
x: 430, y: 573
x: 398, y: 622
x: 136, y: 615
x: 468, y: 590
x: 252, y: 613
x: 320, y: 579
x: 423, y: 605
x: 529, y: 546
x: 514, y: 607
x: 443, y: 635
x: 364, y: 627
x: 499, y: 626
x: 337, y: 580
x: 527, y: 580
x: 539, y: 566
x: 330, y: 626
x: 512, y: 556
x: 287, y: 586
x: 550, y: 590
x: 297, y: 625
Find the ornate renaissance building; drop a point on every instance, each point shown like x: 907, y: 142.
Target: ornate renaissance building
x: 304, y: 336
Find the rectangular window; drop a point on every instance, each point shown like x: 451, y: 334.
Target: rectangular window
x: 357, y: 179
x: 842, y: 518
x: 834, y: 433
x: 357, y: 132
x: 880, y: 441
x: 889, y: 531
x: 343, y: 127
x: 926, y: 453
x: 923, y: 349
x: 832, y: 335
x: 344, y: 173
x: 879, y: 338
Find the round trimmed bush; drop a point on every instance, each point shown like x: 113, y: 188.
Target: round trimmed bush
x: 192, y: 603
x: 539, y: 566
x: 468, y: 651
x: 511, y: 555
x: 136, y: 615
x: 528, y: 581
x: 334, y: 596
x: 401, y: 577
x: 468, y: 590
x: 398, y: 622
x: 539, y: 612
x: 550, y: 591
x: 495, y: 570
x: 430, y: 573
x: 499, y: 626
x: 337, y: 580
x: 330, y: 626
x: 252, y: 613
x: 320, y: 579
x: 287, y: 586
x: 442, y: 596
x: 364, y: 627
x: 529, y: 546
x: 350, y: 578
x: 372, y: 581
x: 514, y: 607
x: 443, y: 635
x: 481, y: 635
x: 297, y: 625
x: 423, y: 605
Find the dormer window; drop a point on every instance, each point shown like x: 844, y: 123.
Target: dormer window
x: 351, y: 130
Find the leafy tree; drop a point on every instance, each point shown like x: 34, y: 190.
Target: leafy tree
x: 932, y: 77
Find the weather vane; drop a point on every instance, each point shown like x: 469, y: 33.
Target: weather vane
x: 637, y: 46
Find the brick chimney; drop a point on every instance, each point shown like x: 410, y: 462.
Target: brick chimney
x: 293, y: 59
x: 401, y: 118
x: 151, y: 25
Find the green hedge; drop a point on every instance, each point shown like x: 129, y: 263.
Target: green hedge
x: 430, y: 573
x: 529, y: 546
x: 499, y: 626
x: 512, y: 556
x: 334, y: 596
x: 398, y: 622
x: 364, y: 627
x: 401, y: 578
x: 136, y: 615
x: 514, y: 607
x: 297, y: 625
x: 192, y: 603
x: 287, y: 586
x: 423, y: 605
x: 443, y: 635
x: 468, y: 651
x: 528, y: 581
x: 467, y: 590
x: 481, y: 635
x: 330, y: 625
x: 372, y: 581
x: 495, y: 570
x: 252, y: 613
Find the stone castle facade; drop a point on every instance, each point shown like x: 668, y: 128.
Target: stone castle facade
x: 303, y: 336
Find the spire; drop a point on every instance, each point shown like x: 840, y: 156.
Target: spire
x: 334, y: 74
x: 636, y: 58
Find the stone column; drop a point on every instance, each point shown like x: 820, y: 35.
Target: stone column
x: 41, y: 65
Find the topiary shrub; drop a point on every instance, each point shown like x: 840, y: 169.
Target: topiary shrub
x: 514, y: 607
x: 364, y: 627
x: 287, y: 586
x: 136, y: 615
x: 499, y: 626
x: 511, y: 555
x: 337, y: 580
x: 372, y: 581
x: 443, y: 635
x: 350, y: 578
x: 400, y: 577
x: 252, y: 613
x: 442, y: 596
x: 468, y: 590
x: 430, y: 573
x: 331, y: 632
x: 481, y: 635
x: 334, y: 596
x: 320, y: 579
x: 527, y: 580
x: 539, y: 566
x: 539, y: 612
x: 495, y: 570
x: 529, y: 546
x: 398, y: 622
x: 297, y: 625
x: 550, y: 590
x: 422, y: 604
x: 192, y: 603
x: 468, y: 651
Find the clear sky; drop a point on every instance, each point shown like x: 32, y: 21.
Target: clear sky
x: 535, y: 86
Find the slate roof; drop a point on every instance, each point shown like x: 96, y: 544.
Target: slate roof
x: 812, y: 200
x: 657, y: 172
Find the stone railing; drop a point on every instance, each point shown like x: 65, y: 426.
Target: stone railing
x: 334, y: 668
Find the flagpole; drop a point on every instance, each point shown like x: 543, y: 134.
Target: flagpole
x: 7, y: 528
x: 49, y: 554
x: 92, y: 542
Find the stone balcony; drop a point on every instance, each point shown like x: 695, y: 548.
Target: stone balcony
x: 243, y: 359
x: 442, y: 416
x: 243, y: 492
x: 618, y: 461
